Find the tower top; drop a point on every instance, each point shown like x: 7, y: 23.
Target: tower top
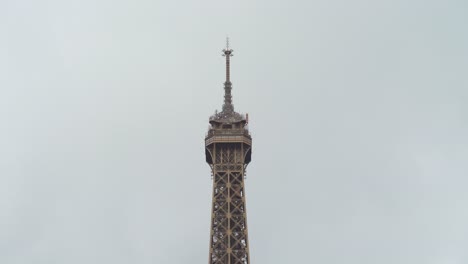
x: 227, y: 51
x: 227, y: 115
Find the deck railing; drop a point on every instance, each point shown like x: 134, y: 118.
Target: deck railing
x: 223, y: 132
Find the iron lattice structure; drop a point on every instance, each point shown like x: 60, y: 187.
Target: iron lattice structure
x: 228, y: 148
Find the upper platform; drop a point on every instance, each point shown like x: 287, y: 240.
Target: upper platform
x: 228, y: 133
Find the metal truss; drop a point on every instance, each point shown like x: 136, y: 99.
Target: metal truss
x: 228, y: 149
x: 229, y: 236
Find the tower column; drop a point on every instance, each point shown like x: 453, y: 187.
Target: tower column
x: 228, y: 107
x: 228, y: 241
x: 228, y: 148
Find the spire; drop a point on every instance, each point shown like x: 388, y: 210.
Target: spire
x: 227, y: 115
x: 227, y: 106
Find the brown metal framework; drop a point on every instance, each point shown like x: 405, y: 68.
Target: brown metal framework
x: 228, y: 147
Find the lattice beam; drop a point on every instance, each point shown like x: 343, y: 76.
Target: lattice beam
x: 229, y: 235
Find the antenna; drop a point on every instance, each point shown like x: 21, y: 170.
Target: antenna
x: 227, y: 106
x: 227, y: 51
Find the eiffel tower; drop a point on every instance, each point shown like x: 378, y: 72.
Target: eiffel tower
x: 228, y: 150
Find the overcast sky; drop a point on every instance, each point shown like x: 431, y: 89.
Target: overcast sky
x: 358, y: 111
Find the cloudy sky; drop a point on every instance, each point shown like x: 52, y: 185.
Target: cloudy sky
x: 358, y: 111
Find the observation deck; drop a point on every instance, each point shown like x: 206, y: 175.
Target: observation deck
x: 228, y: 135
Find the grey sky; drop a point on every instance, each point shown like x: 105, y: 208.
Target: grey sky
x: 358, y: 114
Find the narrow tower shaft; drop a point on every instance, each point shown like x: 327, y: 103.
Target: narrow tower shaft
x: 228, y: 64
x: 229, y: 243
x: 228, y: 107
x: 228, y: 152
